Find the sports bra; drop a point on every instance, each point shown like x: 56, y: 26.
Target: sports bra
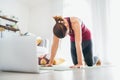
x: 86, y: 34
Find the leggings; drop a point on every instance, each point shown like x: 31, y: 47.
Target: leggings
x: 87, y: 52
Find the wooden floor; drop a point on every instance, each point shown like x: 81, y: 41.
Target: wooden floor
x: 95, y: 73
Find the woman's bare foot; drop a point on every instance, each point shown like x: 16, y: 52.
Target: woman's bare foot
x: 98, y: 63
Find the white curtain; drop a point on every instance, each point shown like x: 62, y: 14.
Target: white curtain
x: 99, y: 21
x: 106, y: 15
x: 113, y: 24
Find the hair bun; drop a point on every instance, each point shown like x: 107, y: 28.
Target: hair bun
x: 58, y: 19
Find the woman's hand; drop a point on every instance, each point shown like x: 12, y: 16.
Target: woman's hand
x: 76, y: 66
x: 48, y: 65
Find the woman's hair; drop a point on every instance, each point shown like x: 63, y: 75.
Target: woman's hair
x: 59, y: 29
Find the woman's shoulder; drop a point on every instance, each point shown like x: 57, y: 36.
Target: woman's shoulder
x: 75, y: 19
x: 71, y: 17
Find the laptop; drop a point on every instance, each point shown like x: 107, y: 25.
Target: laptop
x: 19, y: 54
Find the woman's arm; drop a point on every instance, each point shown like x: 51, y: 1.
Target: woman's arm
x: 76, y: 26
x: 54, y: 49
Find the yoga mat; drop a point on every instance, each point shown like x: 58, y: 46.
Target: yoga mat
x: 64, y: 68
x: 56, y: 68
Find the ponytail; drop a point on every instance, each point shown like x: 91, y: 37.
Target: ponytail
x: 58, y: 19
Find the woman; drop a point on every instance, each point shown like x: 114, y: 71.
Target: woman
x: 80, y: 36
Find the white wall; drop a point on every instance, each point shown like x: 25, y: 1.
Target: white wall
x: 40, y: 21
x: 15, y: 8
